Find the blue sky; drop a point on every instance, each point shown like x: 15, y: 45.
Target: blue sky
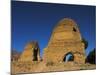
x: 35, y: 21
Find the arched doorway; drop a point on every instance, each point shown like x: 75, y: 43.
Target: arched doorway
x: 35, y: 53
x: 68, y: 57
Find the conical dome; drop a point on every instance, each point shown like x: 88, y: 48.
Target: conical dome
x: 66, y: 29
x: 65, y: 39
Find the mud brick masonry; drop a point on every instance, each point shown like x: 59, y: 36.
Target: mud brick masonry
x: 65, y: 39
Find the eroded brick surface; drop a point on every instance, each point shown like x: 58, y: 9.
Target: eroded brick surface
x: 65, y: 39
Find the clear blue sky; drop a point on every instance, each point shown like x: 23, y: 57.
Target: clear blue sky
x: 35, y: 21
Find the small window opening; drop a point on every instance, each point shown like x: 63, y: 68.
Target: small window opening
x: 74, y: 30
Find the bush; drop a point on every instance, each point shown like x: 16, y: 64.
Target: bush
x: 85, y: 42
x: 50, y: 63
x: 91, y: 58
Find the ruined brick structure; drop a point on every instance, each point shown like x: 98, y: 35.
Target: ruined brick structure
x: 31, y: 52
x: 65, y: 39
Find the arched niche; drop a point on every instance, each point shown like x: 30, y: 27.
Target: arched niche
x: 68, y: 57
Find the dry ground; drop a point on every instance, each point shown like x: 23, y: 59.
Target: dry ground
x: 30, y: 67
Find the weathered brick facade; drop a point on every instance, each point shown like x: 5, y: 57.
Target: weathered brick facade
x: 65, y: 39
x: 31, y: 52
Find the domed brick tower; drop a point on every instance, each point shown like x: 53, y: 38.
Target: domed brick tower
x: 65, y: 39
